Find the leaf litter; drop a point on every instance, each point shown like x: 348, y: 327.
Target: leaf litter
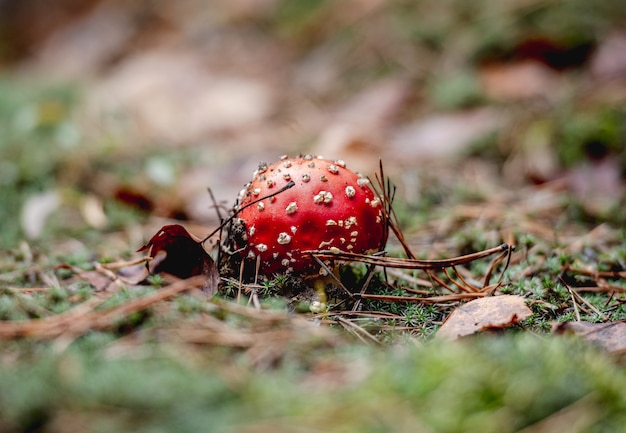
x: 533, y: 218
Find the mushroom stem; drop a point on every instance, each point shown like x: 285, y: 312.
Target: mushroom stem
x: 321, y: 305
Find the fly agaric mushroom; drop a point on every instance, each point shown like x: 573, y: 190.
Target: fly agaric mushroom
x: 328, y: 208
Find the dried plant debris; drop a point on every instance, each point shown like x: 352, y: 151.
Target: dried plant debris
x: 609, y: 336
x: 494, y: 312
x: 86, y: 316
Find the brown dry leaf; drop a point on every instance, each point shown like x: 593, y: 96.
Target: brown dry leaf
x: 492, y: 312
x: 36, y: 210
x: 133, y: 274
x: 176, y: 252
x: 359, y: 127
x: 100, y: 281
x: 520, y: 80
x: 609, y: 336
x: 441, y: 136
x: 172, y: 96
x: 609, y: 60
x: 597, y: 183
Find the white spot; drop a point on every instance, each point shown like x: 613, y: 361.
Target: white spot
x: 283, y: 157
x: 256, y: 191
x: 325, y: 244
x: 350, y: 221
x: 283, y: 238
x: 349, y: 247
x: 275, y: 256
x: 286, y: 176
x: 354, y: 234
x: 272, y: 199
x: 291, y: 208
x: 311, y: 164
x: 293, y: 229
x: 350, y: 191
x: 323, y: 197
x: 353, y: 240
x: 261, y: 247
x: 323, y: 178
x: 284, y: 262
x: 260, y: 206
x: 375, y: 203
x: 362, y: 182
x: 251, y: 255
x: 306, y: 178
x: 308, y: 157
x: 252, y: 230
x: 341, y: 163
x: 335, y: 250
x: 342, y: 240
x: 270, y: 183
x: 286, y: 164
x: 331, y: 223
x: 333, y: 169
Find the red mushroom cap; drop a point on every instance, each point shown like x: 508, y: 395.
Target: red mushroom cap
x: 329, y: 207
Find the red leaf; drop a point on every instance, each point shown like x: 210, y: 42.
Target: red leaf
x: 176, y: 252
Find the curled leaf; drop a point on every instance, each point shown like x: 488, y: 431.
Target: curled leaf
x: 176, y: 252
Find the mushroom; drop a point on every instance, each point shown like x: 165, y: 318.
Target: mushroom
x: 328, y: 208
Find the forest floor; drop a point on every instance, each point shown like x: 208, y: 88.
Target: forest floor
x: 496, y: 125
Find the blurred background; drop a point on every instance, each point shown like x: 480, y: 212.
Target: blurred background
x: 117, y: 113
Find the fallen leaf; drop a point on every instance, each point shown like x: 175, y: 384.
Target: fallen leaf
x: 609, y: 60
x: 176, y: 252
x: 609, y: 336
x: 171, y: 96
x: 441, y: 136
x: 36, y: 211
x: 133, y: 275
x: 492, y: 312
x: 597, y: 183
x: 520, y: 80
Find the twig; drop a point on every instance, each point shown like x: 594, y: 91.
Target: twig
x: 428, y: 300
x: 83, y: 317
x: 406, y: 263
x: 571, y: 292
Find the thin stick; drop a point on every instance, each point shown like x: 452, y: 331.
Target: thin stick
x: 332, y: 275
x: 571, y: 292
x: 357, y: 330
x: 456, y: 283
x: 439, y: 281
x: 290, y: 184
x: 472, y: 287
x: 405, y: 263
x: 215, y: 205
x: 413, y: 300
